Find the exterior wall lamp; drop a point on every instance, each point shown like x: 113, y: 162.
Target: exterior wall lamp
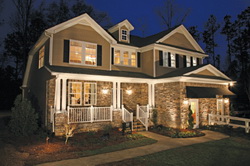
x: 129, y: 91
x: 226, y: 100
x: 105, y: 91
x: 185, y: 101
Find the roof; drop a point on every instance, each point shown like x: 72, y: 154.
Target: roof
x: 75, y: 70
x: 207, y: 92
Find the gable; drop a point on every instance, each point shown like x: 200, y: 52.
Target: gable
x: 178, y: 39
x: 206, y: 72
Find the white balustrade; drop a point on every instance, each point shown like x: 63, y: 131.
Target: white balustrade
x: 142, y: 114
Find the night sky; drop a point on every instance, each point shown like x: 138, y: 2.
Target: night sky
x: 142, y: 12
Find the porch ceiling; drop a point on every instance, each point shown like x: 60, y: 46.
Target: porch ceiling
x: 205, y: 92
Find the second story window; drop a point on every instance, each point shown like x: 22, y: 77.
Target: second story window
x: 41, y: 57
x: 169, y: 59
x: 125, y: 58
x: 124, y: 35
x: 133, y: 59
x: 83, y: 53
x: 194, y: 61
x: 188, y: 61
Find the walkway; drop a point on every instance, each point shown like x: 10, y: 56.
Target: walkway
x: 164, y: 143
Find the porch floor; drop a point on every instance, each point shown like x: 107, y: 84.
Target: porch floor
x: 164, y: 143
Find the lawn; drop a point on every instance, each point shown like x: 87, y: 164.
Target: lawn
x: 233, y: 151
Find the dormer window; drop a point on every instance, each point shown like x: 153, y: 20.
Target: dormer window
x: 124, y: 35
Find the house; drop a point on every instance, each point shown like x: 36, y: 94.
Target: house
x: 79, y: 72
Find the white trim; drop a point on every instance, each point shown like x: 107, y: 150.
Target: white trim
x: 51, y: 49
x: 154, y: 69
x: 153, y: 95
x: 125, y: 23
x: 150, y: 94
x: 196, y: 101
x: 64, y: 95
x: 184, y: 31
x: 114, y: 95
x: 118, y: 95
x: 58, y: 94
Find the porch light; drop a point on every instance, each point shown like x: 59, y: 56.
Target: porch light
x: 226, y: 100
x: 185, y: 101
x: 105, y: 91
x: 231, y: 84
x: 129, y: 91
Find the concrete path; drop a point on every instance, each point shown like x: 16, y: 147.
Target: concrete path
x: 164, y: 143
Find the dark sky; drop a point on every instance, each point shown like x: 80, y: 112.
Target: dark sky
x: 142, y: 12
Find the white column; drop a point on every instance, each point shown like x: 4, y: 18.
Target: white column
x: 114, y: 94
x: 58, y: 95
x: 153, y: 95
x: 64, y: 88
x: 118, y: 95
x: 150, y: 94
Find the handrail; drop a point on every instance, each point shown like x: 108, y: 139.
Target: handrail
x: 142, y: 114
x: 127, y: 116
x: 225, y: 119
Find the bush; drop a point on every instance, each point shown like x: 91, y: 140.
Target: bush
x: 154, y: 117
x: 190, y: 119
x: 23, y: 118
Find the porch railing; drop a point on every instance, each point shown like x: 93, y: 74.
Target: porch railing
x: 225, y: 119
x: 142, y: 114
x: 89, y: 114
x: 127, y: 116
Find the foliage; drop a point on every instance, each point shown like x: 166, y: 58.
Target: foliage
x: 23, y: 118
x: 190, y: 118
x: 193, y: 30
x: 107, y: 128
x: 154, y: 117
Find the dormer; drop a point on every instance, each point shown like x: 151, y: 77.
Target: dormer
x: 121, y: 31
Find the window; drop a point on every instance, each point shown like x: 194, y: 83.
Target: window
x: 124, y: 35
x: 83, y: 53
x: 168, y: 59
x: 90, y: 93
x: 75, y: 94
x: 125, y: 58
x: 188, y: 61
x: 194, y: 61
x: 41, y: 57
x: 220, y: 106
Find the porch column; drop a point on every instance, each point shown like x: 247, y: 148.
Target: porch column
x: 58, y: 95
x: 114, y: 95
x: 118, y: 95
x: 150, y: 94
x: 64, y: 88
x: 153, y: 95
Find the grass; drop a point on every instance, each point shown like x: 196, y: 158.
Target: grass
x: 232, y: 151
x: 121, y: 146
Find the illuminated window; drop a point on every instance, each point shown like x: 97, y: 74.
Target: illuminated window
x: 125, y: 58
x: 124, y: 35
x: 75, y: 94
x: 188, y: 61
x: 41, y: 57
x: 165, y: 59
x: 194, y: 61
x: 117, y: 57
x: 90, y: 93
x: 133, y: 59
x: 82, y: 52
x: 220, y: 106
x: 172, y: 56
x: 168, y: 59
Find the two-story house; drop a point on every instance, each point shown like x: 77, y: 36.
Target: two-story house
x: 79, y: 72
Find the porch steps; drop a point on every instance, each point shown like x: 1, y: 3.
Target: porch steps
x: 137, y: 125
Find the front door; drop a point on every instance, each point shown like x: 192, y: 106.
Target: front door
x: 194, y: 104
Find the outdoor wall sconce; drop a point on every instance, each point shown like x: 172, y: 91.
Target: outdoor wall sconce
x: 231, y: 84
x: 129, y: 91
x: 185, y: 101
x: 226, y: 100
x: 105, y: 91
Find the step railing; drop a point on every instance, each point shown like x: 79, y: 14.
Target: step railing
x: 127, y: 116
x: 142, y: 114
x: 226, y: 119
x: 89, y: 114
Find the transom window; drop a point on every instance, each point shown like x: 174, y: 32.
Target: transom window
x: 83, y: 52
x: 124, y: 57
x: 75, y: 94
x: 168, y: 59
x: 124, y: 35
x: 90, y: 93
x: 41, y: 57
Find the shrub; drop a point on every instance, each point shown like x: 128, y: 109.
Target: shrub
x: 190, y: 119
x: 23, y: 118
x: 154, y: 117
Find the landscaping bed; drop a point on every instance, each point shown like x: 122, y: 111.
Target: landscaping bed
x: 34, y: 149
x: 176, y: 133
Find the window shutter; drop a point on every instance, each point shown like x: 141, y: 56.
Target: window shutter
x: 112, y: 55
x: 66, y: 51
x: 161, y: 58
x: 184, y: 61
x: 177, y: 60
x: 99, y: 55
x: 169, y: 59
x: 191, y: 61
x: 138, y: 59
x: 198, y: 61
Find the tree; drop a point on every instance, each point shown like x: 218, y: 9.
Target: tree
x: 211, y: 27
x: 195, y: 33
x: 171, y: 14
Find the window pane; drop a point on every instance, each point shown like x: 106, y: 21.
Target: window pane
x: 194, y: 61
x: 125, y: 58
x: 133, y: 59
x: 165, y: 59
x: 172, y: 60
x: 75, y: 52
x: 117, y: 57
x: 188, y: 61
x: 90, y: 92
x: 75, y: 93
x: 90, y: 54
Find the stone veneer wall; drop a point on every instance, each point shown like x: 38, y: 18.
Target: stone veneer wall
x: 172, y: 112
x: 61, y: 119
x: 139, y: 94
x: 50, y: 100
